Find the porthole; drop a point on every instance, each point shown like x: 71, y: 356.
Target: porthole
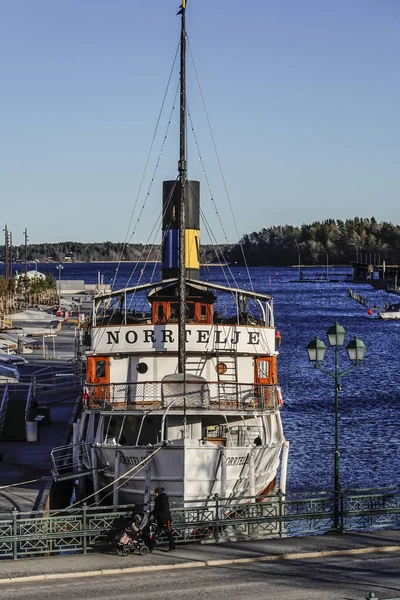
x: 142, y: 368
x: 221, y: 368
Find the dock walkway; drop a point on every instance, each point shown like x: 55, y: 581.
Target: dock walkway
x: 23, y: 461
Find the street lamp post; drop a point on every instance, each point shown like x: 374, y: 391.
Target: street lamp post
x: 59, y: 268
x: 316, y: 353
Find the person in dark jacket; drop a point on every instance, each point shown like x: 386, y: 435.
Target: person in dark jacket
x: 162, y: 515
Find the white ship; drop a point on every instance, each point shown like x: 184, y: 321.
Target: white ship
x: 181, y: 397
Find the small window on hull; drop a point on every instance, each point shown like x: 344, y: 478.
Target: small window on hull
x: 100, y: 369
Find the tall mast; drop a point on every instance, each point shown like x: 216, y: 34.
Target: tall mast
x: 182, y: 203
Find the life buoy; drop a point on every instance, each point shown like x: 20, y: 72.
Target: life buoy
x: 85, y: 396
x: 279, y: 396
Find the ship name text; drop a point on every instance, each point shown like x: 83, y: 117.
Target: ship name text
x: 233, y: 461
x: 166, y: 336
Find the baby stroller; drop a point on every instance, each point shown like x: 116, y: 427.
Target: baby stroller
x: 135, y: 536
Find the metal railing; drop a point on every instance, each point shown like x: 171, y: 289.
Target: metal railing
x: 3, y: 407
x: 160, y: 394
x: 83, y: 529
x: 54, y: 379
x: 66, y: 458
x: 30, y: 399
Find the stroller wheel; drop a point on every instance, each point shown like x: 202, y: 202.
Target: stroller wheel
x: 125, y: 552
x: 143, y: 550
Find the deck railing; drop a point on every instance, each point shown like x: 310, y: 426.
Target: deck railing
x: 86, y: 528
x: 159, y: 394
x: 3, y: 407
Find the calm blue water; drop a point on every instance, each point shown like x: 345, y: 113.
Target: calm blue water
x: 370, y: 396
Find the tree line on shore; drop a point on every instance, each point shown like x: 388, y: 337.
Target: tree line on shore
x: 361, y: 239
x: 100, y: 251
x: 19, y: 292
x: 342, y: 241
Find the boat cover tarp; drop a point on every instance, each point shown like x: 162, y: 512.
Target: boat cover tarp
x: 178, y: 389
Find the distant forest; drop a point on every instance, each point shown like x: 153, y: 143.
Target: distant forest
x: 100, y: 251
x: 341, y: 241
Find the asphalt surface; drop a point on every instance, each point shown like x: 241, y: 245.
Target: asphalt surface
x: 200, y: 556
x: 353, y: 577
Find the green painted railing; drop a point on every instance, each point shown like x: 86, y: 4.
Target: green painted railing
x: 86, y: 528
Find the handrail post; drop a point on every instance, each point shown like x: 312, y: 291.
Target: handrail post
x: 341, y: 495
x: 216, y: 498
x: 15, y: 532
x: 84, y: 527
x: 280, y: 511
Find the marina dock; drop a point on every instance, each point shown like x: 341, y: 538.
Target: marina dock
x: 38, y: 415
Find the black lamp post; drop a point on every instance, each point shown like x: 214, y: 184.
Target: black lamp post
x: 316, y: 353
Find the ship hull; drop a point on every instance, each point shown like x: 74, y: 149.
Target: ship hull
x: 190, y: 470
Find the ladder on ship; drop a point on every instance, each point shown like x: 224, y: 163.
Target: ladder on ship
x: 227, y: 376
x: 195, y: 364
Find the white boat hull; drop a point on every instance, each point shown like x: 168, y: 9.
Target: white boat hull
x: 188, y: 470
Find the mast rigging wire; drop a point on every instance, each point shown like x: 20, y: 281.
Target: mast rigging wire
x: 219, y: 163
x: 146, y: 163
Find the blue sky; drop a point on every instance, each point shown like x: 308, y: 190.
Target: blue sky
x: 303, y: 99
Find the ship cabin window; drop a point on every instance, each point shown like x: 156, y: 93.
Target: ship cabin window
x: 243, y: 435
x: 160, y: 313
x: 204, y: 312
x: 173, y: 311
x: 190, y: 311
x: 142, y: 368
x: 130, y: 430
x: 100, y: 369
x: 112, y: 430
x: 231, y: 433
x: 263, y: 369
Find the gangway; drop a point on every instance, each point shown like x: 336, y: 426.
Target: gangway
x: 72, y: 461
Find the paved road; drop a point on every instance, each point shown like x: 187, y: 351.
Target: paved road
x: 331, y: 566
x: 322, y: 578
